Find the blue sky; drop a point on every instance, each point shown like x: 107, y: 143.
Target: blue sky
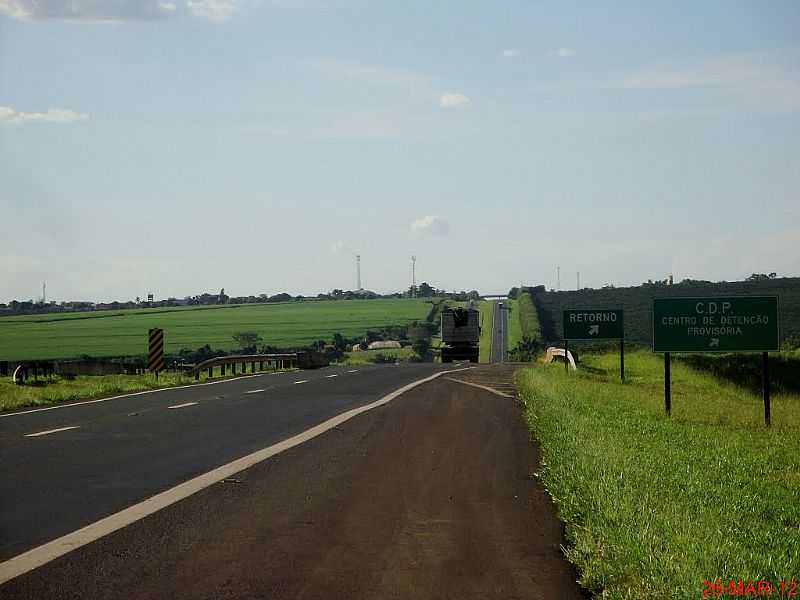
x: 181, y: 147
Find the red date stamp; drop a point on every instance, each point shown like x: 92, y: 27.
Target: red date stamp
x: 746, y: 588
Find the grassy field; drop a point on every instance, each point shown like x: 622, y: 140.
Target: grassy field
x: 485, y: 342
x: 654, y: 506
x: 124, y: 333
x: 638, y: 304
x: 514, y: 328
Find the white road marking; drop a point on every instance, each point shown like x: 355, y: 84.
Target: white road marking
x: 483, y: 387
x: 166, y: 389
x: 30, y: 560
x: 49, y: 431
x: 301, y: 381
x: 184, y: 405
x: 329, y: 376
x: 353, y: 371
x: 254, y: 391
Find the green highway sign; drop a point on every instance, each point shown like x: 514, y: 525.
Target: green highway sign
x: 593, y: 324
x: 724, y: 324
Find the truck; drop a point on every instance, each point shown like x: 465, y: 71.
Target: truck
x: 460, y: 334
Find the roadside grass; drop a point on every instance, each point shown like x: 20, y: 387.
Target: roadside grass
x: 514, y: 328
x: 366, y: 357
x: 485, y: 341
x: 124, y: 333
x: 654, y: 506
x: 47, y: 391
x: 528, y: 318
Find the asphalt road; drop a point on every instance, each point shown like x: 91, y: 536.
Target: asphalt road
x: 430, y: 496
x: 121, y: 451
x: 499, y: 332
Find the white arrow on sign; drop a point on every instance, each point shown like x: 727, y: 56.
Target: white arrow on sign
x: 714, y: 343
x: 594, y: 330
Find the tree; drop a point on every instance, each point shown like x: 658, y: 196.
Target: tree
x: 421, y: 347
x: 247, y: 340
x: 425, y: 291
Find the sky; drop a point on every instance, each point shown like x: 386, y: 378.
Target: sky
x: 179, y: 147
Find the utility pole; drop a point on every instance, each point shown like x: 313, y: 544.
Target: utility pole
x: 578, y: 274
x: 44, y: 292
x: 358, y: 272
x: 558, y: 279
x: 413, y: 276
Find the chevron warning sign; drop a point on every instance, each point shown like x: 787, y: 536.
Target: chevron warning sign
x: 155, y: 355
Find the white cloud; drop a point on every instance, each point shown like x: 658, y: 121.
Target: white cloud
x: 510, y: 53
x: 565, y: 52
x: 404, y: 80
x: 112, y: 11
x: 411, y: 83
x: 52, y: 115
x: 87, y: 10
x: 217, y: 10
x: 758, y: 82
x: 430, y: 225
x: 454, y: 100
x: 341, y: 247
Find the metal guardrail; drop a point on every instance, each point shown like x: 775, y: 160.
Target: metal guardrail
x: 273, y: 362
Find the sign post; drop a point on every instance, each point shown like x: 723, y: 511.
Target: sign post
x: 717, y: 324
x: 155, y: 354
x: 596, y: 324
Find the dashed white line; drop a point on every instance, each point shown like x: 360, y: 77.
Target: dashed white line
x: 301, y: 381
x: 329, y: 376
x: 49, y: 431
x: 36, y: 557
x: 353, y: 371
x: 254, y: 391
x: 184, y: 405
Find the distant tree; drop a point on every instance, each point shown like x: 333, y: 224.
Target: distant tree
x: 247, y: 340
x: 339, y: 342
x: 223, y: 297
x: 425, y: 291
x: 512, y: 293
x: 421, y: 347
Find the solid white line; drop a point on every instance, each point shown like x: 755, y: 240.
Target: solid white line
x: 48, y: 432
x: 329, y: 376
x: 184, y: 405
x: 254, y: 391
x: 302, y: 381
x: 41, y: 555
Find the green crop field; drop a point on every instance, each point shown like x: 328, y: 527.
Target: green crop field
x: 638, y: 304
x: 124, y: 333
x: 514, y: 328
x: 485, y: 307
x: 656, y: 505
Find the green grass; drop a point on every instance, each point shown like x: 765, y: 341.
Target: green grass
x: 485, y: 307
x: 52, y: 390
x: 514, y: 328
x: 653, y: 505
x: 368, y: 356
x: 528, y: 318
x: 124, y: 333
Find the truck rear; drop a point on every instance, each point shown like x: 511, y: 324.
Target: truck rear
x: 460, y: 334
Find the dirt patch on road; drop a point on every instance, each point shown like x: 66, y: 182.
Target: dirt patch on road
x: 428, y: 497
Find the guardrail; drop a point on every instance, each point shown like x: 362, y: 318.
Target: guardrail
x: 292, y: 360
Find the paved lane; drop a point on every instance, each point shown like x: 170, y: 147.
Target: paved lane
x: 86, y: 461
x: 499, y: 332
x: 428, y: 497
